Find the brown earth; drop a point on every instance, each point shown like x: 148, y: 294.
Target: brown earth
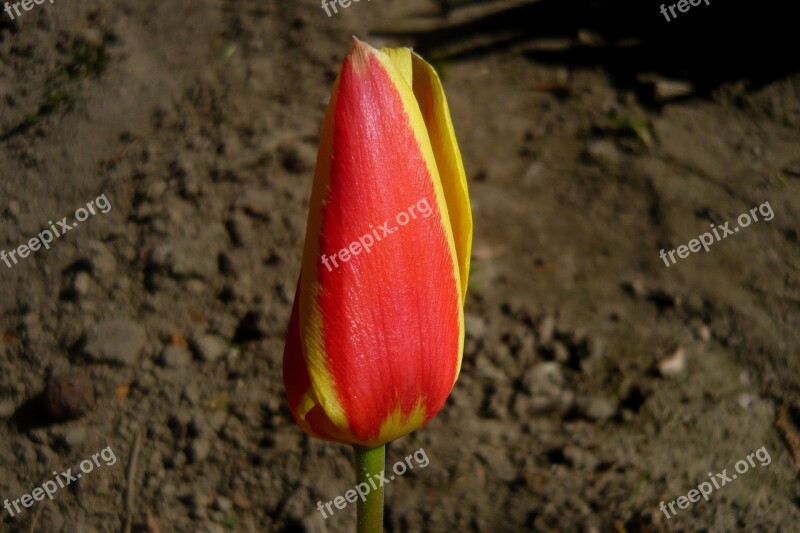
x: 596, y: 382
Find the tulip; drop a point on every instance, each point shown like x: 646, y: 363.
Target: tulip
x: 376, y: 333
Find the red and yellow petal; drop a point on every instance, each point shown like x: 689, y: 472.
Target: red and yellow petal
x: 380, y: 334
x: 430, y: 97
x: 303, y: 402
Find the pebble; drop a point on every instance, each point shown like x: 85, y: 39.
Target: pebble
x: 116, y: 341
x: 191, y: 394
x: 256, y: 202
x: 92, y: 37
x: 475, y: 326
x: 101, y: 259
x: 231, y: 263
x: 13, y: 210
x: 297, y: 158
x: 223, y: 504
x: 199, y: 503
x: 533, y: 171
x: 155, y: 189
x: 199, y: 450
x: 217, y: 419
x: 560, y: 352
x: 746, y: 400
x: 175, y: 356
x: 599, y: 409
x: 240, y: 228
x: 674, y: 364
x: 603, y: 152
x: 73, y: 437
x: 544, y: 383
x: 546, y: 329
x: 81, y: 283
x: 7, y: 408
x: 209, y: 348
x: 544, y: 378
x: 68, y: 395
x: 199, y: 426
x: 580, y: 458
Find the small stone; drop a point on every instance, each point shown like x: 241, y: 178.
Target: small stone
x: 297, y: 158
x: 242, y: 502
x: 195, y: 286
x: 199, y: 502
x: 161, y: 257
x: 673, y: 365
x: 199, y: 450
x: 240, y: 228
x: 117, y: 341
x: 92, y: 37
x: 199, y: 513
x: 475, y: 325
x: 13, y: 210
x: 7, y: 408
x: 232, y: 357
x: 223, y: 504
x: 603, y: 152
x: 190, y: 188
x: 533, y: 171
x: 231, y: 263
x: 256, y: 202
x: 191, y: 394
x: 199, y: 427
x: 560, y: 352
x: 216, y: 420
x: 209, y: 348
x: 167, y: 491
x: 155, y: 189
x: 101, y: 259
x: 580, y: 458
x: 546, y: 329
x: 68, y: 395
x: 175, y: 357
x: 635, y: 288
x: 544, y: 378
x: 72, y: 438
x: 81, y: 283
x: 746, y: 400
x: 544, y: 384
x: 599, y: 409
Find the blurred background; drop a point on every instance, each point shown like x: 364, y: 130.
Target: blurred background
x: 597, y: 382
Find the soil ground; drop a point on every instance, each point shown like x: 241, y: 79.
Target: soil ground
x: 597, y: 382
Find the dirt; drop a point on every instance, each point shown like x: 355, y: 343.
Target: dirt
x: 597, y: 382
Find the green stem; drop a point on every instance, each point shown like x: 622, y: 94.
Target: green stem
x: 369, y: 462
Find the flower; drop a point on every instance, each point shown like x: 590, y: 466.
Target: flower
x: 376, y: 333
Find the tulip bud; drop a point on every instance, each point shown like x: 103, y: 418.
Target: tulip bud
x: 377, y: 327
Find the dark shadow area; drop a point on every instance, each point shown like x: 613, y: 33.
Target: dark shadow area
x: 707, y: 44
x: 32, y: 414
